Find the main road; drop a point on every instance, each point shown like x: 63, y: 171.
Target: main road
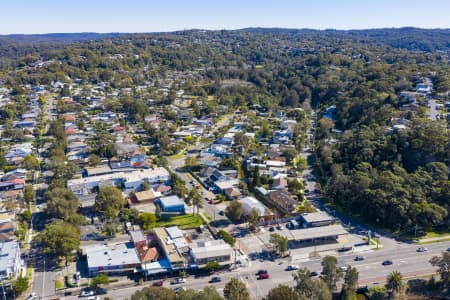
x: 405, y: 259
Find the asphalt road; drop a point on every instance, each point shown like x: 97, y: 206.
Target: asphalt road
x: 432, y: 115
x: 371, y: 271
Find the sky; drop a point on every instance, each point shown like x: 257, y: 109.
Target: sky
x: 57, y: 16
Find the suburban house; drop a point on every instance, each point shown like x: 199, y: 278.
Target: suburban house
x: 282, y: 200
x: 11, y: 263
x: 250, y: 203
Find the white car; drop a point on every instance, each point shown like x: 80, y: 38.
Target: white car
x: 93, y: 298
x: 86, y: 293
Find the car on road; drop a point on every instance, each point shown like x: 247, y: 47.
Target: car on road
x: 359, y: 258
x: 292, y: 268
x: 86, y: 293
x: 387, y: 262
x: 314, y: 273
x: 422, y: 249
x: 178, y: 280
x: 263, y: 276
x: 32, y: 296
x: 261, y: 272
x: 448, y: 249
x: 101, y: 291
x: 222, y: 213
x: 272, y: 229
x: 279, y: 227
x: 215, y: 279
x: 158, y: 283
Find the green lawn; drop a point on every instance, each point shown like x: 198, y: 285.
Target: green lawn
x: 59, y: 284
x: 184, y: 221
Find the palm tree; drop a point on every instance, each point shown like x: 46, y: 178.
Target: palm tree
x: 395, y: 285
x: 195, y: 200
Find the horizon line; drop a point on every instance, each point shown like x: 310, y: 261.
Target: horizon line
x: 224, y: 29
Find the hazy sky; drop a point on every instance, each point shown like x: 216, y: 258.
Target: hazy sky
x: 44, y: 16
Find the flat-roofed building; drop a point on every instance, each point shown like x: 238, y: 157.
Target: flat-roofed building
x: 202, y: 252
x: 117, y: 258
x: 130, y: 180
x: 331, y: 232
x: 316, y: 219
x: 169, y: 249
x: 11, y: 263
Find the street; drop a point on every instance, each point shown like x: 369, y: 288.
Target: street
x: 371, y: 271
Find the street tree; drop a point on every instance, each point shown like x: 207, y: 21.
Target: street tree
x: 195, y: 199
x: 154, y: 293
x: 234, y: 211
x: 236, y: 290
x: 98, y: 280
x: 60, y: 239
x: 395, y: 286
x: 191, y: 162
x: 212, y: 266
x: 443, y: 264
x: 61, y: 203
x: 282, y: 292
x: 21, y: 285
x: 208, y: 293
x: 253, y: 219
x: 348, y: 291
x: 331, y: 273
x: 28, y: 194
x: 109, y: 201
x: 279, y: 243
x: 308, y: 288
x: 30, y: 162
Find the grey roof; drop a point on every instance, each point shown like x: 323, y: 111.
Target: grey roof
x: 174, y: 232
x: 9, y: 251
x: 171, y: 201
x: 111, y: 255
x: 315, y: 217
x: 212, y: 248
x: 137, y: 236
x: 318, y: 232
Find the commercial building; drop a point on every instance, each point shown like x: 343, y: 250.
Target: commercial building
x: 322, y: 233
x: 316, y: 219
x: 203, y: 252
x: 11, y: 263
x: 171, y: 204
x: 117, y: 258
x: 172, y: 254
x: 128, y: 180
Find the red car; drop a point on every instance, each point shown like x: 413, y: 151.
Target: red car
x: 263, y: 276
x: 158, y: 283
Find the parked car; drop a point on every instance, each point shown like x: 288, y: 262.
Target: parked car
x: 448, y: 249
x: 101, y: 291
x: 359, y: 258
x: 314, y: 273
x: 222, y: 213
x: 32, y: 296
x: 93, y: 298
x: 263, y: 276
x: 158, y: 283
x: 291, y: 268
x: 215, y: 279
x: 272, y: 229
x: 387, y: 262
x: 422, y: 249
x: 279, y: 227
x: 86, y: 293
x: 261, y: 272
